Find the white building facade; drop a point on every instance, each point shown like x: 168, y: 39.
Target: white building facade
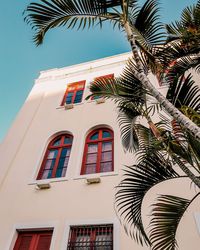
x: 60, y: 164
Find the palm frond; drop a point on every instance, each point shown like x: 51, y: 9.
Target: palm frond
x: 48, y: 14
x: 138, y: 179
x: 126, y: 88
x: 175, y: 58
x: 146, y: 21
x: 195, y: 146
x: 126, y: 118
x: 167, y: 214
x: 182, y: 65
x: 186, y: 30
x: 184, y: 92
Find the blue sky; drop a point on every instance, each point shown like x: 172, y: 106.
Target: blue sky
x: 21, y: 60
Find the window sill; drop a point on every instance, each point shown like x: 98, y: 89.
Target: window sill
x: 36, y: 182
x: 96, y: 175
x: 74, y: 105
x: 98, y: 101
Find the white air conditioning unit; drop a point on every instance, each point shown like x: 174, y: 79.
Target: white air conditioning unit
x: 100, y: 100
x: 69, y: 106
x: 43, y: 185
x: 93, y: 180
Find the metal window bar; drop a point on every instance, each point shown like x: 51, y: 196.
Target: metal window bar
x: 92, y: 237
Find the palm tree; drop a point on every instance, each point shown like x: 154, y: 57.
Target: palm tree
x: 158, y: 149
x: 131, y: 99
x: 155, y: 165
x: 141, y: 24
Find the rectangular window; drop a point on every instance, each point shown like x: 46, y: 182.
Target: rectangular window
x: 74, y: 93
x: 110, y: 76
x: 92, y: 237
x: 33, y: 240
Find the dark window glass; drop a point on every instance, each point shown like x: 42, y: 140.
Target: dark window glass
x: 78, y: 97
x: 69, y: 97
x: 57, y: 142
x: 106, y: 134
x: 56, y: 159
x: 68, y: 140
x: 95, y: 136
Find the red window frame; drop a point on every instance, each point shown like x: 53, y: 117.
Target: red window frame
x: 91, y: 231
x: 59, y: 147
x: 99, y: 142
x: 110, y: 76
x: 35, y: 239
x: 73, y: 88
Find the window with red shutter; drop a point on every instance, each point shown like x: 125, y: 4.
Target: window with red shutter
x: 110, y: 76
x: 33, y: 240
x: 98, y: 152
x: 74, y: 93
x: 56, y: 158
x: 91, y: 237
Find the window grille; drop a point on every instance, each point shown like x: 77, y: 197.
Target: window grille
x: 92, y: 237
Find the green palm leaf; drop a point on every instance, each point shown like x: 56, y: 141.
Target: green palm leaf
x: 146, y: 21
x: 184, y: 92
x: 182, y: 65
x: 49, y: 14
x: 126, y: 118
x: 167, y: 213
x: 187, y: 29
x: 138, y: 179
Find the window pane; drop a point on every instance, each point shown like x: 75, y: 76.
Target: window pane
x: 106, y: 166
x: 49, y: 164
x: 106, y: 156
x: 80, y: 86
x: 91, y: 158
x: 104, y: 241
x: 57, y: 142
x: 69, y: 97
x: 92, y: 148
x: 52, y: 154
x: 106, y: 146
x: 90, y: 169
x: 78, y: 97
x: 82, y: 242
x: 68, y: 140
x: 63, y: 162
x: 64, y: 152
x: 46, y: 174
x: 106, y: 134
x: 95, y: 136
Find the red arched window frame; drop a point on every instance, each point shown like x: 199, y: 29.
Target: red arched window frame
x: 56, y: 158
x: 74, y: 93
x: 98, y: 154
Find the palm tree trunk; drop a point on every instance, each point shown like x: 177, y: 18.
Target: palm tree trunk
x: 173, y: 111
x: 186, y: 170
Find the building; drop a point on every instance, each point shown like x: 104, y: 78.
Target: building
x: 60, y: 163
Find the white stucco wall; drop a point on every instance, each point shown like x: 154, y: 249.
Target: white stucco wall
x: 69, y: 201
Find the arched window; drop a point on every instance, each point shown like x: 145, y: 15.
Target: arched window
x: 98, y: 152
x: 56, y: 157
